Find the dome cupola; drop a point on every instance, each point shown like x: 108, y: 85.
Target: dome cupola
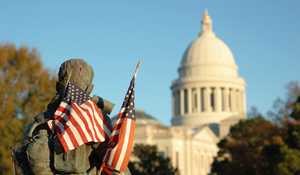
x: 208, y: 55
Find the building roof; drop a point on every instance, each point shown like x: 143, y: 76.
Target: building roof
x: 142, y: 119
x: 207, y: 55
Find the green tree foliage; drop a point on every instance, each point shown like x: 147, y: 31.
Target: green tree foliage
x: 240, y: 153
x: 150, y: 162
x: 260, y: 147
x: 26, y: 87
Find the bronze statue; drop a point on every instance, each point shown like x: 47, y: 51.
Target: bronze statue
x: 41, y: 152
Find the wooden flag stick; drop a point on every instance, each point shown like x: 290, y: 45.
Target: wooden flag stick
x: 100, y: 171
x: 69, y: 76
x: 137, y: 68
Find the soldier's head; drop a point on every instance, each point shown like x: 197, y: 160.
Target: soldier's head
x: 81, y: 72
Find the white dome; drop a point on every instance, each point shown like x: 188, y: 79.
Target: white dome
x: 208, y: 56
x: 209, y: 89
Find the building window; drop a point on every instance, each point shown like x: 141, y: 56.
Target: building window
x: 212, y: 99
x: 202, y: 99
x: 186, y: 101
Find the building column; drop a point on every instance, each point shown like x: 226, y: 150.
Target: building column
x: 182, y: 102
x: 189, y: 100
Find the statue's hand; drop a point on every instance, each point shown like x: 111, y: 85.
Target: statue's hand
x: 39, y: 118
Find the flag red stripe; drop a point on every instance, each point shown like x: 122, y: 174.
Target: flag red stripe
x: 129, y: 147
x: 94, y: 135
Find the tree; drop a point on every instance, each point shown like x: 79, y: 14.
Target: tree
x: 26, y: 87
x: 282, y: 109
x: 150, y: 162
x: 260, y: 147
x: 240, y: 152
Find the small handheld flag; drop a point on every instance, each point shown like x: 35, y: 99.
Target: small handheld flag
x: 120, y: 144
x: 78, y: 120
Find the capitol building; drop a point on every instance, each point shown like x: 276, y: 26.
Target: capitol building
x: 208, y: 98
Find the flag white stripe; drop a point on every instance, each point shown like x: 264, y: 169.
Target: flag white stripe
x: 80, y: 122
x: 124, y: 148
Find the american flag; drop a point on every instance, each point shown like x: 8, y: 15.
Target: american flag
x: 119, y: 146
x: 78, y: 120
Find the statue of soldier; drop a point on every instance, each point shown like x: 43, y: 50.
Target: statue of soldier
x: 41, y: 147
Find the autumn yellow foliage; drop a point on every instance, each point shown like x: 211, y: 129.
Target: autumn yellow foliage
x: 26, y: 87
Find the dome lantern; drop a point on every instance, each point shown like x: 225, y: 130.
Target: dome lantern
x: 206, y: 23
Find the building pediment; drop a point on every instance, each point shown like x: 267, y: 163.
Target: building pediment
x: 205, y: 134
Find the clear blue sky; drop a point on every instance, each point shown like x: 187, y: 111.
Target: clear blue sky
x: 264, y: 37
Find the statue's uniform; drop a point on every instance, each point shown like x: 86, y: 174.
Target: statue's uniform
x: 83, y: 160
